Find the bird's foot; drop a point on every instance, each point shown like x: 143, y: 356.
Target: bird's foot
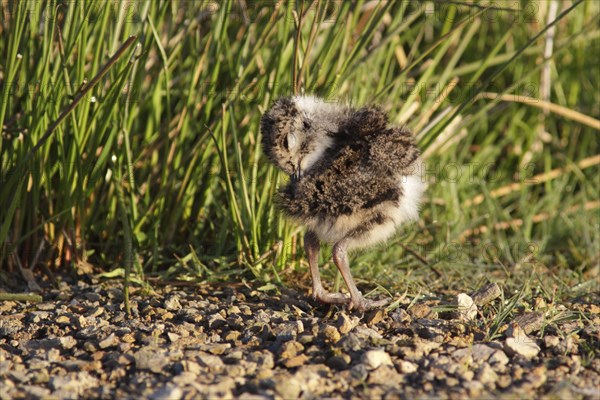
x: 359, y: 304
x: 362, y: 304
x: 331, y: 298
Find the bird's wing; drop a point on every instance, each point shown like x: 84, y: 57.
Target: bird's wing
x: 346, y: 186
x: 392, y: 150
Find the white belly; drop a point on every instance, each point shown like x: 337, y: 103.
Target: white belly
x: 332, y: 230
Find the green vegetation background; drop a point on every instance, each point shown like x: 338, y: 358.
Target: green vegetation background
x: 158, y: 165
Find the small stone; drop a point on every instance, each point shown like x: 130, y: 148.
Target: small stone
x: 306, y: 339
x: 191, y: 367
x: 407, y: 367
x: 467, y: 375
x: 503, y: 381
x: 340, y: 362
x: 63, y: 319
x: 288, y: 330
x: 366, y: 333
x: 18, y: 376
x: 479, y: 352
x: 128, y: 338
x: 451, y: 381
x: 375, y: 317
x: 419, y: 311
x: 233, y: 336
x: 331, y: 334
x: 539, y: 303
x: 288, y: 388
x: 35, y: 391
x: 467, y: 309
x: 91, y: 296
x: 520, y: 343
x: 216, y: 348
x: 264, y: 359
x: 551, y: 341
x: 359, y: 373
x: 344, y: 323
x: 90, y: 347
x: 400, y: 315
x: 151, y: 359
x: 352, y: 342
x: 474, y: 388
x: 290, y: 349
x: 109, y: 341
x: 167, y: 316
x: 499, y: 357
x: 173, y: 337
x: 486, y: 374
x: 296, y: 361
x: 216, y: 321
x: 73, y: 383
x: 424, y: 347
x: 373, y: 359
x: 67, y: 342
x: 172, y: 303
x: 234, y: 357
x: 95, y: 312
x: 170, y: 392
x: 45, y: 306
x: 537, y: 377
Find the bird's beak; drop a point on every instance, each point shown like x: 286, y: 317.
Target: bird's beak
x: 297, y: 175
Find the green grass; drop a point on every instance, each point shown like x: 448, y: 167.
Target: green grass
x: 159, y: 167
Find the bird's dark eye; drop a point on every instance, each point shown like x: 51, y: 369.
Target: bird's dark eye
x: 306, y: 124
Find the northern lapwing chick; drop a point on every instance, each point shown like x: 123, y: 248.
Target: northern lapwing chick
x: 354, y: 180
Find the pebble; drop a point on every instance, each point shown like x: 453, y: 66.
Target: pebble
x: 551, y: 341
x: 290, y: 349
x: 407, y: 367
x: 400, y: 315
x: 331, y: 334
x: 213, y: 343
x: 467, y: 309
x: 419, y: 310
x: 486, y: 374
x: 373, y: 359
x: 522, y: 346
x: 478, y: 352
x: 287, y: 387
x: 110, y: 341
x: 296, y: 361
x: 167, y: 392
x: 339, y: 362
x: 172, y: 303
x: 148, y: 358
x: 375, y: 317
x: 67, y: 342
x: 287, y: 330
x: 344, y: 323
x: 498, y: 357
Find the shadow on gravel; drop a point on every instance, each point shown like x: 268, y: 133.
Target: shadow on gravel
x: 237, y: 342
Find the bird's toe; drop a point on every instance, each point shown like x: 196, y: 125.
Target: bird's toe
x: 362, y: 304
x: 331, y: 298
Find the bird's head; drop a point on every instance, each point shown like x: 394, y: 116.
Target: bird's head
x: 297, y: 131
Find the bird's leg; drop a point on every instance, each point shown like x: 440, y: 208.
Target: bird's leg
x: 311, y: 246
x: 357, y: 301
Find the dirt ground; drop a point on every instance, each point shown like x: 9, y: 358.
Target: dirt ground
x: 234, y: 341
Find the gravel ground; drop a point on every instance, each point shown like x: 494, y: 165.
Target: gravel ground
x: 237, y: 342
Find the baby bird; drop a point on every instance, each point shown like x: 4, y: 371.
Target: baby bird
x: 354, y: 180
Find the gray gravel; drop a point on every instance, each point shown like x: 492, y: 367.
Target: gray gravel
x: 236, y: 342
